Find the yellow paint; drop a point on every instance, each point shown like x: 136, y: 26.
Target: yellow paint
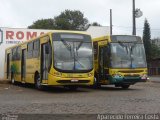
x: 104, y: 41
x: 33, y: 65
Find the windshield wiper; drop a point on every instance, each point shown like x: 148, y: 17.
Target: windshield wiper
x: 79, y: 63
x: 76, y: 51
x: 80, y: 44
x: 124, y: 46
x: 131, y: 53
x: 68, y: 46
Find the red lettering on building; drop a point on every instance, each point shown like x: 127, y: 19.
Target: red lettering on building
x: 20, y: 35
x: 9, y: 34
x: 31, y: 35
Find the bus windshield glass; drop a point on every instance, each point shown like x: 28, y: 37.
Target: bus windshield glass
x: 128, y: 55
x: 72, y: 52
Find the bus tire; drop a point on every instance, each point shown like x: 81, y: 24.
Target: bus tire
x: 125, y: 86
x: 96, y: 84
x: 117, y: 85
x: 38, y: 82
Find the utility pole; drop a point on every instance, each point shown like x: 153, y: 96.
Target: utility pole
x: 110, y: 21
x: 134, y: 19
x: 137, y: 13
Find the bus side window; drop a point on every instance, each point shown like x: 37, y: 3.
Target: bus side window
x: 18, y: 57
x: 14, y: 54
x: 36, y: 46
x: 30, y: 50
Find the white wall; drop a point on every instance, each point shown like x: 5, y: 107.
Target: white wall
x: 12, y: 36
x: 98, y: 31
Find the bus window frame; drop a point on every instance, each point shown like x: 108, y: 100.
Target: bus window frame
x: 29, y: 52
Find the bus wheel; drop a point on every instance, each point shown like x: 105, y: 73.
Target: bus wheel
x: 38, y: 82
x: 117, y: 85
x: 96, y: 84
x: 125, y: 86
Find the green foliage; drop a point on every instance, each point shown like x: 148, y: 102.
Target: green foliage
x: 42, y: 24
x: 147, y: 40
x: 155, y: 50
x: 71, y: 20
x: 95, y: 24
x: 67, y: 20
x: 152, y: 50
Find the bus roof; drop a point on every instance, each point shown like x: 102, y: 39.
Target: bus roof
x: 108, y: 37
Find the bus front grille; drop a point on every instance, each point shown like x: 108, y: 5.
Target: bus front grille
x: 134, y: 75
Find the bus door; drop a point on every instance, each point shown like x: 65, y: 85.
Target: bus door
x: 8, y: 64
x: 45, y: 60
x: 23, y: 65
x: 103, y: 63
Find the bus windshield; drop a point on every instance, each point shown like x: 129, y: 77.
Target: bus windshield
x: 72, y: 52
x: 128, y: 55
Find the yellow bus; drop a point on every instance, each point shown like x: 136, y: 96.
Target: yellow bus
x: 119, y: 60
x: 61, y: 58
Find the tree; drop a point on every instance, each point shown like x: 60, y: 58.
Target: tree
x: 147, y: 40
x: 95, y: 24
x: 67, y: 20
x: 155, y: 50
x: 71, y: 20
x: 42, y: 24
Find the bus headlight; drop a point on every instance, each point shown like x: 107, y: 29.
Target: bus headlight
x: 144, y: 77
x: 90, y: 74
x: 58, y: 74
x: 117, y: 75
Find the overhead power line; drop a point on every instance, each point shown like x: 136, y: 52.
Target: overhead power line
x: 129, y: 27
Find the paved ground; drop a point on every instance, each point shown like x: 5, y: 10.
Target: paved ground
x: 154, y: 78
x: 140, y: 98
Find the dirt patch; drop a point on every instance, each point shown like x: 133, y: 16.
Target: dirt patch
x: 4, y: 81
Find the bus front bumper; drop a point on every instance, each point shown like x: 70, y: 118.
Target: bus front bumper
x: 54, y: 80
x: 127, y: 80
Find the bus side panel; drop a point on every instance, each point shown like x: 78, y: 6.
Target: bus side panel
x: 15, y: 68
x: 18, y: 72
x: 32, y: 60
x: 30, y: 70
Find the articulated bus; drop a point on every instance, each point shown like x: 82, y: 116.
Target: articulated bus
x: 119, y: 60
x: 61, y: 58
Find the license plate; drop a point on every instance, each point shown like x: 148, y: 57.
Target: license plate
x: 74, y: 80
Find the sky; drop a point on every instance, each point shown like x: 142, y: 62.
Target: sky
x: 22, y: 13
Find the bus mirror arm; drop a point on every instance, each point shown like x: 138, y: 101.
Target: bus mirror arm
x: 47, y: 49
x: 109, y: 49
